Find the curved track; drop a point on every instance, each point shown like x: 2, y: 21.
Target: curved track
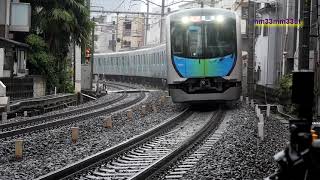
x: 145, y: 154
x: 38, y: 123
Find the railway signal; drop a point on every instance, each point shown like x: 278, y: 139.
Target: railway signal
x: 88, y: 55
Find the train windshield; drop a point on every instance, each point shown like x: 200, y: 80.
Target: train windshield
x: 205, y: 39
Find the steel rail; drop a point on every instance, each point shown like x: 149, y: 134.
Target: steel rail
x: 94, y: 160
x: 167, y: 160
x: 73, y: 119
x: 60, y: 115
x: 33, y: 121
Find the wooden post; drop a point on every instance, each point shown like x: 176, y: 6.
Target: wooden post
x: 129, y: 114
x: 261, y: 118
x: 143, y: 110
x: 25, y: 113
x: 74, y: 134
x: 154, y: 108
x: 162, y: 99
x: 261, y: 130
x: 107, y: 122
x: 4, y: 117
x: 268, y: 110
x: 258, y: 112
x: 19, y: 148
x: 252, y: 103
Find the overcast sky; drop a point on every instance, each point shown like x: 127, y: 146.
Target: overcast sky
x: 131, y: 5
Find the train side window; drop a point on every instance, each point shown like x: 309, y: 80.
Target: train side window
x: 177, y: 40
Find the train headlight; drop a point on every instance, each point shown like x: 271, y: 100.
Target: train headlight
x: 185, y: 20
x: 219, y: 19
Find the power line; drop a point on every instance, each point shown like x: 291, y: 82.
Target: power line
x: 119, y: 5
x: 124, y: 12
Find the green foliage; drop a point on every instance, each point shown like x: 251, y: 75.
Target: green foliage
x: 57, y: 23
x: 40, y: 61
x: 285, y: 85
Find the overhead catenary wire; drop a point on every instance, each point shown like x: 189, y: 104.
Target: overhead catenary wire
x: 119, y: 5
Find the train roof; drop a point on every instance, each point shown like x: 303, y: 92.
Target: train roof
x: 194, y: 11
x: 133, y: 51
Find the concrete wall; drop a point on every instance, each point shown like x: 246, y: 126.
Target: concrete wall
x: 269, y: 49
x: 1, y: 61
x: 85, y: 76
x: 39, y: 86
x: 78, y: 69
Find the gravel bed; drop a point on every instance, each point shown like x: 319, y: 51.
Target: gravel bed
x: 239, y: 154
x: 53, y: 149
x: 137, y: 86
x: 87, y: 104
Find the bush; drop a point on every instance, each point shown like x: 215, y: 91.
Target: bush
x: 283, y: 92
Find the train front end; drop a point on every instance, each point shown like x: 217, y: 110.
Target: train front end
x: 203, y: 54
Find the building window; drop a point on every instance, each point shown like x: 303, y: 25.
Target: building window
x: 127, y: 28
x: 126, y: 44
x: 265, y: 31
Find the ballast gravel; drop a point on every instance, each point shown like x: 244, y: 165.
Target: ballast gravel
x: 239, y: 154
x: 53, y: 149
x: 84, y: 105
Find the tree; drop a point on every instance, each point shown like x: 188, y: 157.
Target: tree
x: 40, y: 61
x: 59, y: 23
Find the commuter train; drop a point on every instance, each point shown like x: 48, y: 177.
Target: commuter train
x: 204, y: 55
x: 148, y: 62
x: 201, y: 59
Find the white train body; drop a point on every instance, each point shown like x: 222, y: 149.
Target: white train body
x: 211, y: 76
x: 149, y: 62
x: 204, y: 55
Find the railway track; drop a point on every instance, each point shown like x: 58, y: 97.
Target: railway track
x: 39, y: 123
x: 42, y: 119
x: 144, y: 155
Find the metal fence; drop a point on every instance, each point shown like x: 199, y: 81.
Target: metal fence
x: 18, y: 88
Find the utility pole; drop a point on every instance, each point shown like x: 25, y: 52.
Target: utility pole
x: 304, y: 35
x: 92, y: 57
x: 147, y: 25
x: 162, y: 22
x: 251, y: 38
